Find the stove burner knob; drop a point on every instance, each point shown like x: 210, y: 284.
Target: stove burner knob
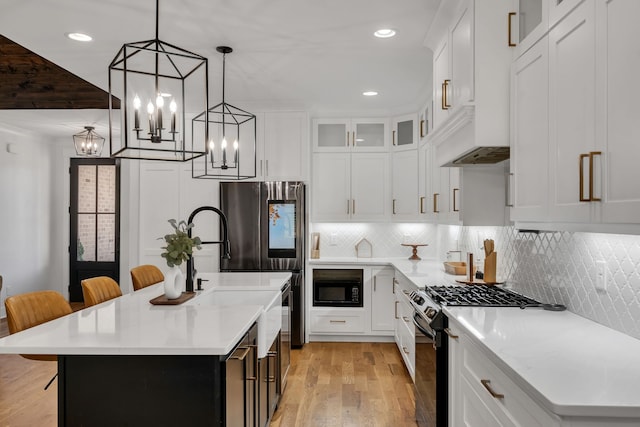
x: 420, y: 300
x: 430, y: 313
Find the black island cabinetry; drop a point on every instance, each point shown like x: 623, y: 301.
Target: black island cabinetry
x: 160, y: 390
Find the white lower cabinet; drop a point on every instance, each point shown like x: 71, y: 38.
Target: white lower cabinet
x: 404, y: 331
x: 374, y: 321
x: 483, y: 395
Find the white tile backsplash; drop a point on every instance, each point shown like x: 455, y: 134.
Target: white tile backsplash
x: 385, y: 238
x: 560, y: 267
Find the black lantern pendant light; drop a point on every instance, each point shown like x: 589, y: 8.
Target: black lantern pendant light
x: 167, y: 82
x: 88, y: 143
x: 231, y: 148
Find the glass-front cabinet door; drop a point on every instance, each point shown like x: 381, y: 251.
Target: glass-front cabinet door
x: 334, y: 135
x: 528, y: 23
x: 404, y: 135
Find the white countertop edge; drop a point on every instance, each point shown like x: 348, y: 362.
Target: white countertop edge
x: 618, y: 411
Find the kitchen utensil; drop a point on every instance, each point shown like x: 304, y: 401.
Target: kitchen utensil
x: 490, y: 267
x: 457, y: 268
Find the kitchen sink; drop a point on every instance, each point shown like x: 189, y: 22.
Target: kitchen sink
x: 270, y: 320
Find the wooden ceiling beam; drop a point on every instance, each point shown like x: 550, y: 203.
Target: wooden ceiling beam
x: 29, y: 81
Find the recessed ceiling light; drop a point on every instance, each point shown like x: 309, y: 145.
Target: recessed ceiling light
x: 79, y: 37
x: 370, y: 93
x: 385, y: 33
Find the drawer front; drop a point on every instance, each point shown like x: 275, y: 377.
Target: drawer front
x: 407, y: 347
x: 337, y: 323
x: 512, y: 405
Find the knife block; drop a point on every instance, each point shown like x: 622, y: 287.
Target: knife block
x: 490, y: 268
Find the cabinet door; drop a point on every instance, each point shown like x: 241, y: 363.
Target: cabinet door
x: 369, y: 135
x: 425, y: 181
x: 571, y: 113
x: 285, y: 142
x: 382, y: 301
x: 369, y: 186
x: 530, y: 134
x: 618, y: 108
x: 405, y: 203
x: 330, y: 187
x: 441, y: 78
x: 331, y: 135
x: 404, y: 135
x: 528, y: 23
x: 462, y: 60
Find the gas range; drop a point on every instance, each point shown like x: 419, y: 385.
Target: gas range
x: 429, y: 301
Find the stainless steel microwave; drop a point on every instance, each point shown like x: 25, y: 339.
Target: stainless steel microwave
x: 337, y: 288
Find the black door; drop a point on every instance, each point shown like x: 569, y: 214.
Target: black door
x: 94, y: 213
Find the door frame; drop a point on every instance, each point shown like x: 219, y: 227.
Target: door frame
x: 101, y: 268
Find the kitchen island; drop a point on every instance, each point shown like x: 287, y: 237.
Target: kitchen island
x: 127, y: 362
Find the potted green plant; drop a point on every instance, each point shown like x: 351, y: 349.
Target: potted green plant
x: 179, y: 248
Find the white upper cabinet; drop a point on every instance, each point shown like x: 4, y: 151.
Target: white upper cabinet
x: 405, y: 199
x: 471, y: 80
x: 618, y: 110
x: 350, y: 187
x: 404, y: 135
x: 530, y: 132
x: 530, y: 20
x: 366, y: 135
x: 572, y: 115
x: 284, y: 151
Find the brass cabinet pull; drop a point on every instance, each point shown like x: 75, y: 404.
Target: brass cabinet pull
x: 374, y: 282
x: 435, y: 202
x: 266, y: 167
x: 445, y: 88
x: 394, y: 207
x: 422, y: 204
x: 405, y: 318
x: 581, y: 192
x: 393, y: 137
x: 348, y: 206
x: 510, y: 42
x: 348, y: 139
x: 405, y: 350
x: 353, y: 138
x: 353, y: 206
x: 591, y: 195
x: 507, y: 190
x: 396, y: 310
x: 395, y: 282
x: 337, y: 321
x: 486, y: 385
x: 422, y: 128
x: 455, y: 208
x: 245, y: 351
x: 252, y: 378
x: 451, y: 334
x: 442, y: 100
x: 406, y: 292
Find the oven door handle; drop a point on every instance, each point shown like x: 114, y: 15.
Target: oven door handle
x: 421, y: 328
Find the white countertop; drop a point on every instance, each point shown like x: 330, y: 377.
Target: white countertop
x: 131, y: 325
x: 571, y: 365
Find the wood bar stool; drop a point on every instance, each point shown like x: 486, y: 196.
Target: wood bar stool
x: 145, y: 275
x: 27, y: 310
x: 99, y: 289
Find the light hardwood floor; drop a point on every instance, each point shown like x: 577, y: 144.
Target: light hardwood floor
x: 330, y: 384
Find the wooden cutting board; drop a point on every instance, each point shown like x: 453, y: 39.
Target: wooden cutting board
x: 163, y: 300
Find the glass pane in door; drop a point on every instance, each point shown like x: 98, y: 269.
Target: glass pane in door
x: 370, y: 135
x: 106, y: 189
x: 405, y: 132
x: 106, y: 237
x: 86, y: 237
x: 530, y: 16
x: 332, y: 134
x: 86, y: 188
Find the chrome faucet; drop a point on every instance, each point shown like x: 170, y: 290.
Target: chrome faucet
x: 226, y: 254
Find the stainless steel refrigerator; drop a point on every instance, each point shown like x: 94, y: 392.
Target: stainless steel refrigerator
x: 267, y: 227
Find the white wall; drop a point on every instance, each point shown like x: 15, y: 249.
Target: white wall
x: 30, y: 254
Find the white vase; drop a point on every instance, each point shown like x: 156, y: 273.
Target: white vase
x: 173, y: 282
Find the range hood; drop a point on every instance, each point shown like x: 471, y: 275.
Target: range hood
x: 466, y: 140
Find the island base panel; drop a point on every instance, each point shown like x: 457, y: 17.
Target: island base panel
x: 140, y: 390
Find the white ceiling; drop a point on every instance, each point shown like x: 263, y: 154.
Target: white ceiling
x: 317, y: 55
